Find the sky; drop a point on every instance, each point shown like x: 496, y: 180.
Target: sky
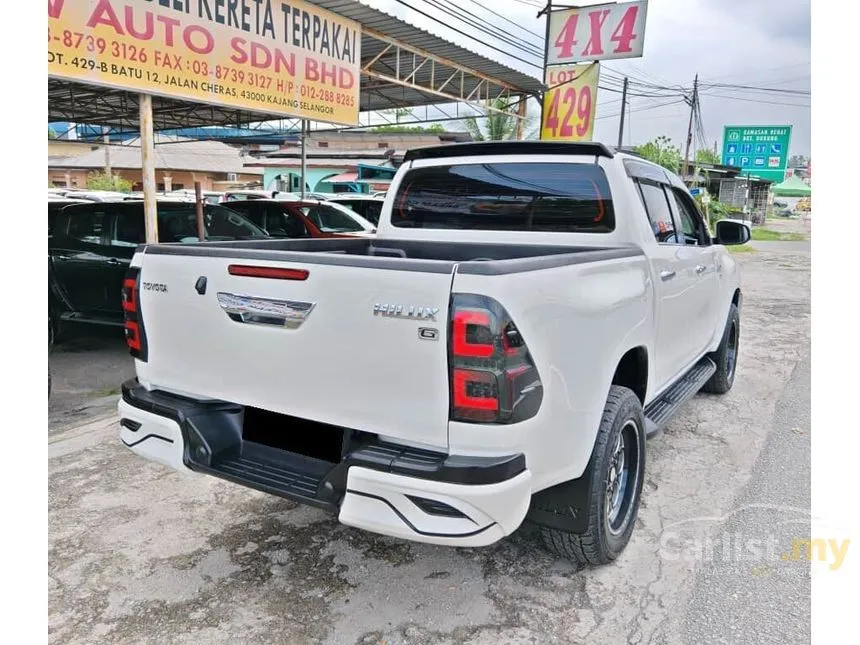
x: 758, y: 43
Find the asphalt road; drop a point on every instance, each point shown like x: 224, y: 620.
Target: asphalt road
x: 141, y: 554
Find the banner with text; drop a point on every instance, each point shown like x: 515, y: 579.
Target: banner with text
x: 569, y: 103
x: 596, y: 32
x: 287, y: 58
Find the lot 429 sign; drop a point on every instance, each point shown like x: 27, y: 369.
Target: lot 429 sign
x: 598, y: 32
x: 568, y: 106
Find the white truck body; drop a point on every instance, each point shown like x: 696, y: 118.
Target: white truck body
x: 357, y: 340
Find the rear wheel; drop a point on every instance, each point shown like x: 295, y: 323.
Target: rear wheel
x: 726, y: 356
x: 616, y: 473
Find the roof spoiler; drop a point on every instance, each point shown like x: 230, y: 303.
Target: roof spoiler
x: 509, y: 148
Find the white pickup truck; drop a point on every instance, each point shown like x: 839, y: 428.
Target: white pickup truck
x: 526, y: 316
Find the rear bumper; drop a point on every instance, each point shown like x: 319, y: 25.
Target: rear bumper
x: 404, y: 492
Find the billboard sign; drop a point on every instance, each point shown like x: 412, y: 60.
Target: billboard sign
x: 760, y: 151
x: 596, y: 32
x: 569, y: 103
x: 291, y: 59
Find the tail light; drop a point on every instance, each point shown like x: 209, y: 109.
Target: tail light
x: 492, y: 375
x: 135, y: 336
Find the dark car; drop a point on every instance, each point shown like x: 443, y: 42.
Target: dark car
x: 54, y: 208
x: 307, y: 218
x: 368, y: 206
x: 93, y: 244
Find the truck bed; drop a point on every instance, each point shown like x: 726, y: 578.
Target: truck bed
x: 403, y: 255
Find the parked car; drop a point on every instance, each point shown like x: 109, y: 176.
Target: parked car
x: 54, y: 208
x: 93, y: 243
x: 368, y: 206
x: 500, y: 351
x: 310, y: 218
x: 245, y: 195
x: 100, y: 195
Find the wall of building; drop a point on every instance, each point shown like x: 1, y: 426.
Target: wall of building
x: 165, y: 179
x: 313, y: 176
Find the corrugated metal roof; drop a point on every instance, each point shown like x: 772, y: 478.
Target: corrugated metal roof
x: 408, y: 33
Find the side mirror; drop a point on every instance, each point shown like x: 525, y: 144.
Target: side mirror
x: 732, y: 232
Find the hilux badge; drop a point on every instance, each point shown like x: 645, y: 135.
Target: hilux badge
x: 409, y: 312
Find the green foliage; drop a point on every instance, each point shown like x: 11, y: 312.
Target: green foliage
x: 767, y: 235
x: 98, y: 180
x: 497, y: 126
x: 703, y: 155
x: 662, y: 152
x: 433, y: 128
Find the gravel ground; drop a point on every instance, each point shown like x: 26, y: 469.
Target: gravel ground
x: 141, y: 554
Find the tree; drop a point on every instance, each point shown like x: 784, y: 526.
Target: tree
x: 433, y: 128
x: 798, y: 161
x: 98, y: 180
x: 704, y: 155
x: 662, y: 152
x: 497, y: 126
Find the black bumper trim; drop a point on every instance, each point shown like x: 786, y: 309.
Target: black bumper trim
x: 207, y: 424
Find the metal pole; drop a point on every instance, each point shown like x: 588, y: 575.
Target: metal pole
x: 521, y: 113
x: 690, y: 127
x: 623, y: 107
x: 548, y: 11
x: 198, y: 203
x: 106, y: 140
x: 304, y: 154
x: 147, y: 153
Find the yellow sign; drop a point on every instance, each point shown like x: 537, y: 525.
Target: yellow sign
x: 570, y: 102
x: 285, y: 58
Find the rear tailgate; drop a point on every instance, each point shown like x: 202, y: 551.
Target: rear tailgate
x: 336, y: 360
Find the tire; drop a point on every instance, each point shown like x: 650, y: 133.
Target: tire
x: 605, y: 537
x: 726, y: 356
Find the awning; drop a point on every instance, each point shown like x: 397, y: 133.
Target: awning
x: 342, y: 178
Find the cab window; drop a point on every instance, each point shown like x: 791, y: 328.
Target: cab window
x: 659, y: 213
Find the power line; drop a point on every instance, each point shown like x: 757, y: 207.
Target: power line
x: 508, y: 20
x: 463, y: 33
x: 749, y: 100
x: 472, y: 20
x: 777, y: 90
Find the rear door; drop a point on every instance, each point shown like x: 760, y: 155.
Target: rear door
x: 263, y: 342
x: 79, y: 256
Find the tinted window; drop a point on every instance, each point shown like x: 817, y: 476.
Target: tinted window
x: 330, y: 219
x: 659, y: 213
x: 506, y: 196
x: 86, y: 224
x: 368, y: 209
x: 251, y: 209
x: 130, y: 230
x: 282, y: 223
x: 180, y: 224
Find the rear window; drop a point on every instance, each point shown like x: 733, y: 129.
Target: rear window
x: 504, y: 196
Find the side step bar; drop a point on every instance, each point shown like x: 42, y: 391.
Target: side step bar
x: 661, y: 410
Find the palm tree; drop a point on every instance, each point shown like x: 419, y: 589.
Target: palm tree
x: 497, y: 125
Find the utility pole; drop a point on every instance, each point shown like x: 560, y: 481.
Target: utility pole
x: 106, y: 140
x: 623, y: 107
x: 693, y: 103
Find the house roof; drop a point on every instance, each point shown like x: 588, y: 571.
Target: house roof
x: 170, y: 154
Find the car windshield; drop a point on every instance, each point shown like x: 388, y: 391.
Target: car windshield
x: 180, y: 224
x: 330, y: 219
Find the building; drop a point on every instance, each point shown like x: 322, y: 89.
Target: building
x: 344, y: 161
x: 178, y: 164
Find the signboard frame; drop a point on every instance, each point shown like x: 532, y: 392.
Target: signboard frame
x: 568, y: 93
x: 591, y: 29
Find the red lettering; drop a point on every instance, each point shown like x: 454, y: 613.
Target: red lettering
x: 594, y: 47
x: 258, y: 51
x: 328, y: 74
x: 55, y: 8
x: 104, y: 14
x: 565, y: 41
x: 169, y: 25
x: 129, y: 24
x: 239, y: 56
x: 207, y: 47
x: 311, y: 69
x: 623, y: 34
x: 282, y: 62
x: 346, y: 80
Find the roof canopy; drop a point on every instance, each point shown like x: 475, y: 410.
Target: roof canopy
x: 792, y: 187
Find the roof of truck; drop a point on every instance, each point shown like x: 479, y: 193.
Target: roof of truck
x: 509, y: 148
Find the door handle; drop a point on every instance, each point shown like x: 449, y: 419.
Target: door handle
x: 114, y: 262
x: 666, y: 275
x: 701, y: 268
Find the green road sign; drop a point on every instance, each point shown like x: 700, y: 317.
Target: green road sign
x: 759, y: 151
